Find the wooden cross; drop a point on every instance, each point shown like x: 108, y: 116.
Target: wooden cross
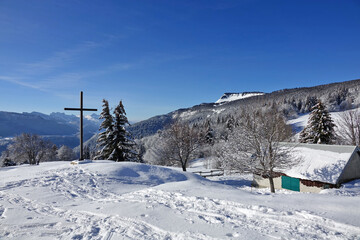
x: 81, y: 109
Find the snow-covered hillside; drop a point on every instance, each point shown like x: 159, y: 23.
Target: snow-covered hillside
x: 108, y: 200
x: 300, y: 122
x: 228, y: 97
x: 336, y: 97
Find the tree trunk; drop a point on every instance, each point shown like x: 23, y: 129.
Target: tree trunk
x: 272, y: 187
x: 183, y: 167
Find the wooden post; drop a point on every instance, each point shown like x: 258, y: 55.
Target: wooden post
x: 81, y: 109
x: 81, y: 127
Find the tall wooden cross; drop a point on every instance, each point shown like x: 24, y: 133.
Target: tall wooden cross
x: 81, y: 109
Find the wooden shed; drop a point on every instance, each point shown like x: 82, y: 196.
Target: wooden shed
x: 320, y: 167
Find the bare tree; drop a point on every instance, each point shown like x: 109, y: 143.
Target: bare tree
x: 257, y: 147
x: 64, y: 153
x: 349, y: 127
x: 180, y: 144
x: 29, y: 148
x: 153, y: 149
x: 50, y: 152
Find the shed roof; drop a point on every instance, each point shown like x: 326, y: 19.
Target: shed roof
x: 319, y: 162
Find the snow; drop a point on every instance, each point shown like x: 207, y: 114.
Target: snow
x: 320, y: 162
x: 184, y: 115
x: 108, y: 200
x: 228, y: 97
x: 218, y: 111
x: 91, y: 118
x: 300, y: 122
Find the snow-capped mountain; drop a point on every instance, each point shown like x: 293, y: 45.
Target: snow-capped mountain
x: 228, y: 97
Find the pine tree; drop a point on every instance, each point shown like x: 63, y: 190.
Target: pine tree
x: 87, y: 152
x: 320, y: 126
x: 104, y: 141
x: 123, y: 145
x: 209, y: 135
x: 230, y: 123
x: 6, y: 160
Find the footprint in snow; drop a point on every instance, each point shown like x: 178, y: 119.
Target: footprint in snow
x: 232, y: 235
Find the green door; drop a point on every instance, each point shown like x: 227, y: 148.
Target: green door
x: 290, y: 183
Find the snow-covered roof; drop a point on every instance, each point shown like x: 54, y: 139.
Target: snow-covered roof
x: 319, y: 162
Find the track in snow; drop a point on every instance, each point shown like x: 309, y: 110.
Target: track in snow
x: 84, y: 225
x: 78, y: 185
x: 268, y: 221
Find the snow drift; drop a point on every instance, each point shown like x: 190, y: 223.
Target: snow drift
x: 109, y: 200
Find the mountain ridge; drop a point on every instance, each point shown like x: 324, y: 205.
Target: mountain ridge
x: 292, y: 101
x: 60, y: 128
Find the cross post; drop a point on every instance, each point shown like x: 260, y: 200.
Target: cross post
x: 81, y: 109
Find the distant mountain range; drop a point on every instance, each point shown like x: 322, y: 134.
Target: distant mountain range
x: 60, y: 128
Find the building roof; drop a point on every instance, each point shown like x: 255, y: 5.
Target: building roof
x: 319, y: 162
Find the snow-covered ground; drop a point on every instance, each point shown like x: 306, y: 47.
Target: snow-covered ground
x: 108, y: 200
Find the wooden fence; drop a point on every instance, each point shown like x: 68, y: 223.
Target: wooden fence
x: 211, y: 173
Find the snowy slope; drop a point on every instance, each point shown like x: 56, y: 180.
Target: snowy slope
x: 300, y: 122
x: 107, y: 200
x: 228, y: 97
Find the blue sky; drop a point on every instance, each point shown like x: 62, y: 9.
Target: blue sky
x: 158, y: 56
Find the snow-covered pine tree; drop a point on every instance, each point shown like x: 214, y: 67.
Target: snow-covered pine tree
x: 320, y: 126
x: 209, y: 134
x: 104, y: 141
x: 87, y: 152
x: 230, y: 123
x: 123, y: 144
x: 5, y: 159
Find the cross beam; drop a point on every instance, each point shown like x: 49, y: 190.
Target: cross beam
x: 81, y: 109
